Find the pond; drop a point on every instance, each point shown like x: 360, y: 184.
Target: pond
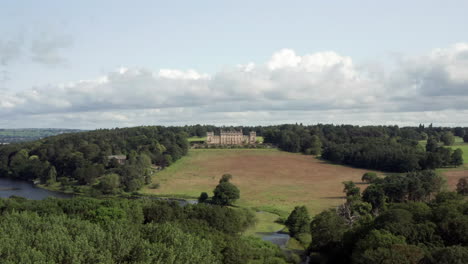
x: 277, y: 238
x: 9, y: 187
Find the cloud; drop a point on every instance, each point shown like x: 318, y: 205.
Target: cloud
x: 10, y: 50
x: 46, y: 48
x: 321, y: 87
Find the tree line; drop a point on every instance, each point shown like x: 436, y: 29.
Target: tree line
x: 79, y: 161
x: 387, y: 148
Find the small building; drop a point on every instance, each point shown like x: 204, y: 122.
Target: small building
x: 120, y: 158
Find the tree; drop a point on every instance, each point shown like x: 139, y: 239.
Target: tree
x: 351, y: 189
x: 375, y: 195
x: 298, y: 221
x: 447, y: 138
x: 369, y: 177
x: 315, y: 146
x: 327, y: 229
x: 457, y: 157
x: 109, y: 183
x: 431, y: 144
x: 448, y: 255
x: 462, y: 186
x: 203, y: 197
x: 225, y: 193
x: 51, y: 175
x: 465, y: 138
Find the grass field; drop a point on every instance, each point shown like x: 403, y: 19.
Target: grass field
x: 463, y: 146
x: 453, y: 175
x: 269, y: 179
x: 192, y: 139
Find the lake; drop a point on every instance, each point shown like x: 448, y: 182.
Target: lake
x: 9, y: 187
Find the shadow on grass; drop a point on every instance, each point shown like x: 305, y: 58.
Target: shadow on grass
x: 333, y: 197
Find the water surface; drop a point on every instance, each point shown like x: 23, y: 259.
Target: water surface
x: 9, y: 187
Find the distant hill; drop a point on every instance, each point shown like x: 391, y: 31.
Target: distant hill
x: 30, y: 134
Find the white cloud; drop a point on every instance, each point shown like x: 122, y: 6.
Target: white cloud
x: 321, y: 87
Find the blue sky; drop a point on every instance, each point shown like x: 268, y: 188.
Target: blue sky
x: 363, y: 62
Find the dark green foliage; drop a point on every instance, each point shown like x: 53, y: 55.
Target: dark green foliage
x: 407, y: 224
x: 203, y: 197
x: 448, y: 255
x: 109, y: 183
x: 298, y: 221
x: 375, y: 195
x: 369, y: 177
x: 465, y: 138
x: 432, y: 144
x: 457, y: 157
x: 327, y: 229
x: 82, y: 158
x: 225, y: 192
x: 351, y: 189
x: 84, y: 230
x: 387, y: 148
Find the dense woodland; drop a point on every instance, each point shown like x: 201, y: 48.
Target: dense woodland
x: 387, y: 148
x: 86, y: 230
x: 81, y: 159
x: 398, y: 219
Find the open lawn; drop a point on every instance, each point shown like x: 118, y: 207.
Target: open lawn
x: 453, y: 175
x: 463, y: 146
x: 192, y: 139
x: 269, y: 179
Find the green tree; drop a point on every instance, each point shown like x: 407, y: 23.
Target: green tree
x: 109, y: 183
x: 375, y: 195
x: 203, y: 197
x: 298, y: 221
x: 315, y: 146
x: 225, y: 193
x: 448, y: 255
x: 51, y: 175
x: 431, y: 144
x: 369, y: 177
x: 351, y: 189
x: 465, y: 138
x: 447, y: 138
x: 327, y: 229
x: 457, y: 157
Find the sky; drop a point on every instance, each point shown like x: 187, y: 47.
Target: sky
x: 103, y: 64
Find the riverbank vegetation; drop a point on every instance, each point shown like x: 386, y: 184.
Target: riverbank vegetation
x: 84, y: 162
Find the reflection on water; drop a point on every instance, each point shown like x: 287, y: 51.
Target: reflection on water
x: 9, y: 187
x: 277, y: 238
